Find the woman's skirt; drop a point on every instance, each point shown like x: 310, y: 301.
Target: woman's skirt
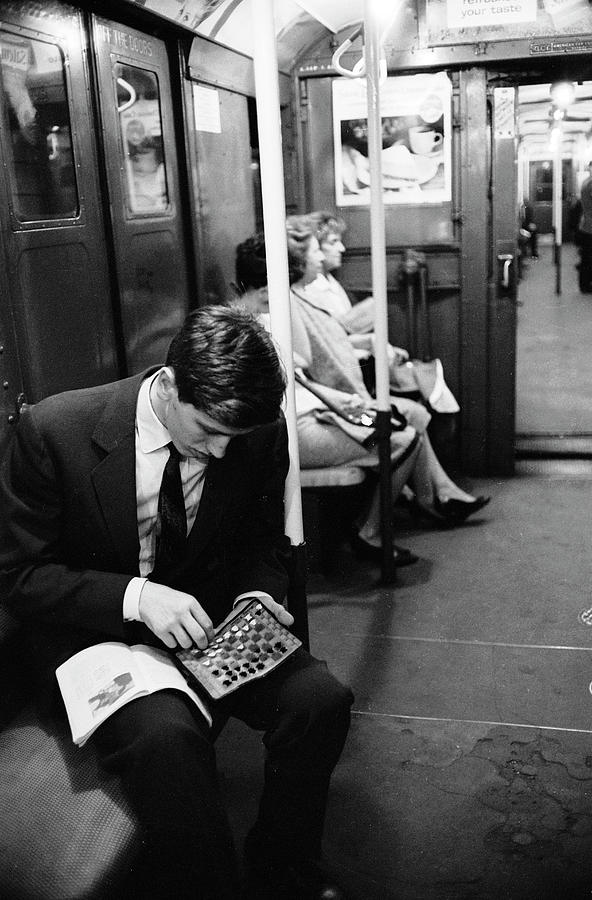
x: 323, y: 441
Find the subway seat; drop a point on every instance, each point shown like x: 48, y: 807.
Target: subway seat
x: 330, y: 499
x: 336, y: 476
x: 66, y: 830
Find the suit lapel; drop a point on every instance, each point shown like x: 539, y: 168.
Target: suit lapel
x: 211, y: 507
x: 114, y: 478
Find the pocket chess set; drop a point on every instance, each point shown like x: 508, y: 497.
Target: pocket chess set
x: 249, y: 646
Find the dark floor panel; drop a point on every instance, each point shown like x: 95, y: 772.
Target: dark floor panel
x: 518, y: 574
x: 545, y: 687
x: 446, y: 811
x: 427, y: 809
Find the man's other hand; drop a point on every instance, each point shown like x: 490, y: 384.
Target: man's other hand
x: 177, y: 619
x: 279, y: 611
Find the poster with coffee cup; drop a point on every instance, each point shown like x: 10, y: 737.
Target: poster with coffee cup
x: 416, y: 140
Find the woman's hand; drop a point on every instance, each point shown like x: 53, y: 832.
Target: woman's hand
x: 399, y: 356
x: 354, y: 405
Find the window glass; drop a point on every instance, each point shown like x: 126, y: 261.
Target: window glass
x: 542, y: 179
x: 40, y: 150
x: 140, y: 122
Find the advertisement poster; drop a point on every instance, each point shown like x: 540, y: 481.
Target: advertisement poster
x: 467, y: 21
x: 416, y: 140
x: 189, y: 13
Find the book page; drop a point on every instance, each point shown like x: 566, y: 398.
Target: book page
x: 96, y: 682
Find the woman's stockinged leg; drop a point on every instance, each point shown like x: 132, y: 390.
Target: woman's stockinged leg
x: 430, y: 482
x: 437, y: 496
x: 370, y: 527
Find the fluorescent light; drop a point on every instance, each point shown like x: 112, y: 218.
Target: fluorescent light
x: 563, y: 94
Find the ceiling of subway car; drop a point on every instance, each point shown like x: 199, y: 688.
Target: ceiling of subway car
x: 299, y: 24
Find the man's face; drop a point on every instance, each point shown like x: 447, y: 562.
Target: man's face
x: 333, y: 250
x: 193, y: 433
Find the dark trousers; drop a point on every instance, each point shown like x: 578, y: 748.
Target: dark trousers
x: 163, y: 750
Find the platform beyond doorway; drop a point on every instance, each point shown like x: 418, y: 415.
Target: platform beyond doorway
x: 554, y: 362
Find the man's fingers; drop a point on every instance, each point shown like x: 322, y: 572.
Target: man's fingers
x: 167, y: 639
x: 279, y: 611
x: 284, y: 617
x: 199, y: 615
x: 183, y: 639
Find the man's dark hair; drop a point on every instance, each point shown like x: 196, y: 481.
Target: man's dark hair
x: 251, y: 264
x: 226, y: 365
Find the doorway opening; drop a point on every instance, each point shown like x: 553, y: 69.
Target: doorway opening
x: 554, y: 318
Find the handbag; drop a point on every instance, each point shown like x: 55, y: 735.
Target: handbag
x: 363, y: 424
x: 425, y: 381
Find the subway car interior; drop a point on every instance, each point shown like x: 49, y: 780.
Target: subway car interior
x: 135, y: 152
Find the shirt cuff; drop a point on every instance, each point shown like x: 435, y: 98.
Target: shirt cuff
x: 261, y: 595
x: 131, y: 600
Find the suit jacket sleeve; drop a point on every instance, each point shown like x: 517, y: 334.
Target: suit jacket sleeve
x: 40, y: 575
x: 260, y: 550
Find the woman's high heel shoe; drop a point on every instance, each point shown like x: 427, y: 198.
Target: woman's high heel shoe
x: 457, y: 511
x: 363, y: 550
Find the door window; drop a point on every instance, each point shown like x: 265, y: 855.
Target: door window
x: 140, y: 124
x: 39, y: 155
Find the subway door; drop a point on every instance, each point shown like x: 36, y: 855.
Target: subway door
x: 142, y: 175
x: 503, y: 284
x: 56, y: 323
x: 12, y: 394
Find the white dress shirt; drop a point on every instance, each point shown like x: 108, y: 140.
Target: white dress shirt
x: 151, y: 456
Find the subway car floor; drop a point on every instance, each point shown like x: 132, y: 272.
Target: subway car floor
x: 468, y: 769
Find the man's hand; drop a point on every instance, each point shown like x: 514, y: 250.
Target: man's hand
x: 177, y: 619
x: 279, y: 611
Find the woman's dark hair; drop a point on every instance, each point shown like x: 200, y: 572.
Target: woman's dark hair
x: 250, y: 264
x: 300, y: 230
x: 226, y: 365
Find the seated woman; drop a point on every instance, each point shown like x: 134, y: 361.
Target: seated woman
x: 323, y: 352
x: 358, y: 320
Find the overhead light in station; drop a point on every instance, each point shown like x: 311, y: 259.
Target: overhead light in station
x: 563, y: 94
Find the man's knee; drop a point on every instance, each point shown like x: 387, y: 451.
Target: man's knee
x: 161, y: 726
x: 315, y: 705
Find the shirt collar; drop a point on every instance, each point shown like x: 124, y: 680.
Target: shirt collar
x: 152, y: 435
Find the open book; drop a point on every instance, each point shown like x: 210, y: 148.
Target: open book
x: 101, y: 679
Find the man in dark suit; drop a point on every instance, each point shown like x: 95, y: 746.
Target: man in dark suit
x: 82, y: 561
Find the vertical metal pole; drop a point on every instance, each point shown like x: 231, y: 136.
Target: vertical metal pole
x: 274, y: 219
x: 276, y: 251
x: 378, y: 250
x: 558, y: 205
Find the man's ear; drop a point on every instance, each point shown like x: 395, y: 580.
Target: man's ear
x: 167, y: 386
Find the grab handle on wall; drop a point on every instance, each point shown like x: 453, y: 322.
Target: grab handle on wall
x: 506, y: 259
